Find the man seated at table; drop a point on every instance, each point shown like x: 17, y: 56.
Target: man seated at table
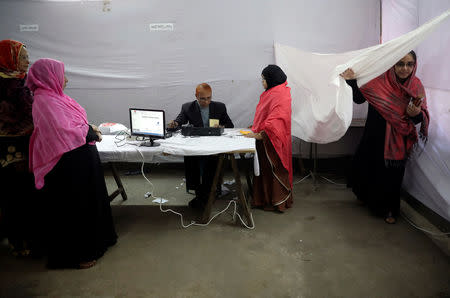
x: 201, y: 113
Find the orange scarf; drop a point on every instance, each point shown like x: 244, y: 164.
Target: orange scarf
x: 9, y: 59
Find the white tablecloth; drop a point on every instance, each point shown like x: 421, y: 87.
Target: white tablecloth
x: 119, y: 149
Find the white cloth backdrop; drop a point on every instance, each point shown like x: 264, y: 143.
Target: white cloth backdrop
x: 321, y: 99
x: 114, y: 61
x: 427, y: 176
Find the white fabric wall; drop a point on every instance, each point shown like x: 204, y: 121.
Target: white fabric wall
x: 427, y: 175
x: 398, y: 18
x: 322, y: 106
x: 114, y: 62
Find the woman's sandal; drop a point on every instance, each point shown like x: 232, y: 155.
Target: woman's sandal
x: 21, y: 252
x: 390, y: 219
x: 87, y: 265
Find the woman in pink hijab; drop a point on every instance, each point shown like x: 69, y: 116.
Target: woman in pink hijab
x: 66, y: 166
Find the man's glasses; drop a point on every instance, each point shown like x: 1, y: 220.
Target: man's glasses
x: 403, y: 64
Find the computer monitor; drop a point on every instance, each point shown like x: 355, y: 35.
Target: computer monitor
x: 148, y: 123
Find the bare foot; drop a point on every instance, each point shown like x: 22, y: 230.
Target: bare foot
x: 87, y: 265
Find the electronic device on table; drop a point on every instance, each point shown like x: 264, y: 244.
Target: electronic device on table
x: 148, y: 124
x: 190, y: 130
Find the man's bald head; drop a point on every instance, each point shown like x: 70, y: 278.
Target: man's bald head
x: 202, y: 86
x: 203, y: 93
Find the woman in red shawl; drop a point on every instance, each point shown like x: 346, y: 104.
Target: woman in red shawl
x: 272, y: 190
x: 16, y: 125
x: 397, y: 103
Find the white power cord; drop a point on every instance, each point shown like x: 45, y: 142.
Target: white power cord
x: 422, y: 229
x: 122, y: 141
x: 193, y: 223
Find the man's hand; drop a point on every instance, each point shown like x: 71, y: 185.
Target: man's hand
x: 414, y: 108
x: 348, y: 74
x: 172, y: 124
x: 257, y: 136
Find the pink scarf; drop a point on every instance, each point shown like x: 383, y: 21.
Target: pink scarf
x: 273, y: 115
x: 60, y: 123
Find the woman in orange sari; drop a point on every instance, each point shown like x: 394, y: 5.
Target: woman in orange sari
x: 272, y: 190
x: 16, y: 125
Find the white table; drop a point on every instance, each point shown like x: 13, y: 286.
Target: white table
x: 115, y: 149
x: 172, y: 148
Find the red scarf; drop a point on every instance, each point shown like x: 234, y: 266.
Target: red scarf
x: 273, y: 116
x: 391, y: 98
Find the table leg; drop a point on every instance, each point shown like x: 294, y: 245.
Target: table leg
x: 212, y: 194
x: 120, y: 189
x: 240, y: 192
x: 248, y: 177
x: 220, y: 179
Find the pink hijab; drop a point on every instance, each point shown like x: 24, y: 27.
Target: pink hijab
x: 60, y: 123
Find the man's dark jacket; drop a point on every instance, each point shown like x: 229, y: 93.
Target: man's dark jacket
x: 190, y: 112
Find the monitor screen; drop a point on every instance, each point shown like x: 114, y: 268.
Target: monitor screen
x: 147, y: 123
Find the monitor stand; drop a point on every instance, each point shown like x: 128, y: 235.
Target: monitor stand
x: 149, y: 143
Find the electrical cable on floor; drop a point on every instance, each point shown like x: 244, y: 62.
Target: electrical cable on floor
x: 422, y: 229
x: 193, y: 223
x: 403, y: 215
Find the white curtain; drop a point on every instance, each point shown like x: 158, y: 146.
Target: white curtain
x: 321, y: 99
x: 114, y: 61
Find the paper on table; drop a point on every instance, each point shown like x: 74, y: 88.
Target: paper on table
x: 213, y: 122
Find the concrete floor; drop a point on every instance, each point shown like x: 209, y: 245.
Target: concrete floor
x: 327, y: 245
